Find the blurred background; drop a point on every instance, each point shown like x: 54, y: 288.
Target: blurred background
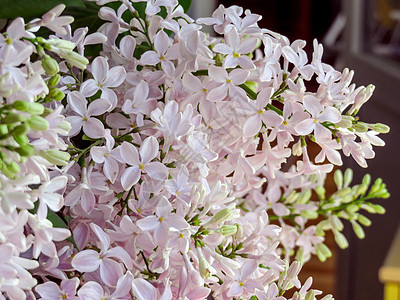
x: 363, y: 35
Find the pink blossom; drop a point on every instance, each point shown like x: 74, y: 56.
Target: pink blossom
x: 92, y: 127
x: 148, y: 151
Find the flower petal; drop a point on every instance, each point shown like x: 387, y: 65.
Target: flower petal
x: 129, y: 154
x: 143, y: 290
x: 93, y: 128
x: 102, y: 236
x: 130, y: 177
x: 156, y: 170
x: 149, y: 149
x: 161, y: 42
x: 110, y: 271
x: 98, y: 107
x: 99, y: 69
x: 86, y: 261
x: 115, y: 77
x: 77, y: 102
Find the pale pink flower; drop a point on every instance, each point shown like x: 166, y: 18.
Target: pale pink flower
x: 260, y: 115
x: 108, y: 155
x: 53, y: 21
x: 228, y: 83
x: 137, y: 100
x: 46, y: 192
x: 319, y: 114
x: 242, y: 282
x: 236, y: 50
x: 148, y: 151
x: 50, y: 290
x: 92, y: 127
x: 91, y: 260
x: 45, y: 233
x: 162, y: 222
x: 162, y: 43
x: 104, y: 79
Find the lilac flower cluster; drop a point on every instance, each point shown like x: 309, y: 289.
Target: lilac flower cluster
x: 174, y: 165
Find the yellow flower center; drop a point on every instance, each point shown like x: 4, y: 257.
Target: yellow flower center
x: 235, y: 54
x: 260, y: 112
x: 162, y: 57
x: 85, y: 119
x: 204, y: 90
x: 133, y: 125
x: 228, y: 81
x: 160, y: 219
x: 141, y: 167
x: 241, y: 284
x: 9, y: 41
x: 64, y: 296
x: 284, y: 122
x: 315, y: 120
x: 181, y: 235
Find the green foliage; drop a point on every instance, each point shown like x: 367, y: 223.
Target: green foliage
x: 30, y: 9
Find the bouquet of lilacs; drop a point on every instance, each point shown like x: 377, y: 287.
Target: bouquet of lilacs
x: 172, y: 164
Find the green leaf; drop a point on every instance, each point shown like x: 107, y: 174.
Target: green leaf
x: 30, y: 9
x: 185, y: 4
x: 59, y: 223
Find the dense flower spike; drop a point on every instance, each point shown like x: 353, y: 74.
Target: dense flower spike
x: 178, y: 164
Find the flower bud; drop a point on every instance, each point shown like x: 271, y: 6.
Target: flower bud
x: 338, y: 178
x: 26, y: 150
x: 358, y: 230
x: 292, y: 197
x: 304, y: 197
x: 3, y: 129
x: 381, y: 128
x: 6, y: 171
x: 21, y: 139
x: 309, y: 214
x: 12, y: 118
x: 364, y: 220
x: 366, y: 179
x: 348, y: 177
x: 379, y: 209
x: 345, y: 122
x: 337, y: 223
x: 50, y: 65
x: 204, y: 267
x: 361, y: 189
x: 14, y: 167
x: 59, y: 96
x: 38, y: 123
x: 227, y: 230
x: 21, y: 129
x: 320, y: 190
x: 21, y: 105
x: 360, y: 127
x: 64, y: 125
x: 376, y: 186
x: 310, y: 295
x: 61, y: 44
x: 352, y: 208
x: 239, y: 233
x: 220, y: 216
x: 341, y: 240
x: 53, y: 81
x: 76, y: 60
x: 56, y: 157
